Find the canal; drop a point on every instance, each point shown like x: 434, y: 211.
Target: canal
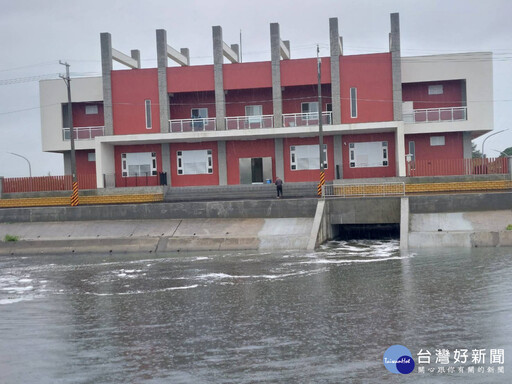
x: 291, y: 317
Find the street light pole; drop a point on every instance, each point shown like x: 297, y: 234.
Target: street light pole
x: 67, y: 80
x: 320, y: 127
x: 23, y: 157
x: 483, y: 144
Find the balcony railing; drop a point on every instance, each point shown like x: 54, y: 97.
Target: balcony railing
x: 305, y: 119
x: 250, y: 122
x: 83, y: 133
x: 435, y: 115
x: 191, y: 125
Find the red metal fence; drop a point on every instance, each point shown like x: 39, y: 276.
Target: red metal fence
x: 452, y: 167
x: 47, y: 183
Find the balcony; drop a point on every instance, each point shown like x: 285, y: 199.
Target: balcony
x: 305, y: 119
x: 83, y: 133
x: 436, y: 115
x: 192, y: 125
x: 250, y: 122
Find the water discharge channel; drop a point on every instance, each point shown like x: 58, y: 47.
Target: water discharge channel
x: 243, y: 317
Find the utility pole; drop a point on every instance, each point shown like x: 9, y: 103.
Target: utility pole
x: 67, y: 80
x: 320, y: 128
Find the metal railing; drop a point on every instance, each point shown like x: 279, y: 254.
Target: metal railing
x: 435, y: 115
x: 305, y: 119
x: 250, y: 122
x: 83, y: 133
x: 454, y: 167
x: 362, y: 190
x: 192, y: 125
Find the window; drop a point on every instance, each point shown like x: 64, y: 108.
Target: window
x: 412, y: 150
x: 138, y: 164
x: 194, y: 162
x: 91, y: 109
x: 435, y: 89
x: 198, y: 116
x: 254, y: 112
x: 368, y: 154
x: 303, y: 157
x: 353, y: 102
x: 148, y: 114
x: 91, y: 156
x: 436, y: 141
x: 310, y: 110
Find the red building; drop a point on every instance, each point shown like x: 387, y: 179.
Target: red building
x: 235, y: 123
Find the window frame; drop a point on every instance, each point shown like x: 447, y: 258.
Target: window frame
x: 309, y: 115
x: 384, y: 154
x: 294, y: 162
x: 94, y: 107
x: 353, y: 103
x: 180, y: 169
x: 147, y: 107
x: 124, y: 165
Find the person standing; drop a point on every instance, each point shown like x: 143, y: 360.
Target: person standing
x: 279, y: 187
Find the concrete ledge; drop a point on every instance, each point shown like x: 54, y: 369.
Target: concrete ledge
x: 44, y: 247
x: 460, y: 239
x: 485, y: 239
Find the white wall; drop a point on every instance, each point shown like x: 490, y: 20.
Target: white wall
x: 475, y: 68
x: 52, y: 93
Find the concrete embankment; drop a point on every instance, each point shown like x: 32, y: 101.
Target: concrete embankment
x: 473, y: 220
x: 163, y: 227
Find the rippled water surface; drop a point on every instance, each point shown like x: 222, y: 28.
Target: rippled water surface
x: 293, y: 317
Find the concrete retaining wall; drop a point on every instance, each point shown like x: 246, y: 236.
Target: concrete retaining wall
x: 157, y: 236
x: 283, y: 208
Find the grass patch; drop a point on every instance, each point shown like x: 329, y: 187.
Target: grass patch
x: 11, y: 238
x: 509, y: 227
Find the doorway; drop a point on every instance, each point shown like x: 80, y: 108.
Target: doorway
x: 255, y: 170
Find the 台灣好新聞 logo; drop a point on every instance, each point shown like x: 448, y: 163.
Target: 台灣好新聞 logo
x: 398, y: 359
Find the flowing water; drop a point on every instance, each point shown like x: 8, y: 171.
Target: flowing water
x: 292, y: 317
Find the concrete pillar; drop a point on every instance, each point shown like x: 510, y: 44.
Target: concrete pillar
x: 105, y: 164
x: 1, y: 186
x: 400, y: 150
x: 466, y: 145
x: 163, y: 97
x: 218, y: 62
x: 279, y: 158
x: 166, y: 161
x: 404, y: 223
x: 277, y: 95
x: 106, y: 70
x: 223, y: 163
x: 396, y: 66
x: 335, y: 71
x: 66, y: 156
x: 135, y: 54
x: 338, y: 155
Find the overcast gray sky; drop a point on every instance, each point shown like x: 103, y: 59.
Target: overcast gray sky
x: 36, y: 34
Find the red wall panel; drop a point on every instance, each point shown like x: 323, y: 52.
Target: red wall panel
x: 130, y: 88
x: 356, y: 173
x: 236, y: 150
x: 453, y: 148
x: 182, y: 104
x: 237, y: 100
x: 293, y: 97
x: 247, y: 75
x: 193, y: 180
x: 304, y: 71
x: 190, y: 79
x: 132, y: 181
x: 418, y: 93
x: 371, y: 75
x: 83, y: 165
x: 307, y: 175
x: 80, y: 119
